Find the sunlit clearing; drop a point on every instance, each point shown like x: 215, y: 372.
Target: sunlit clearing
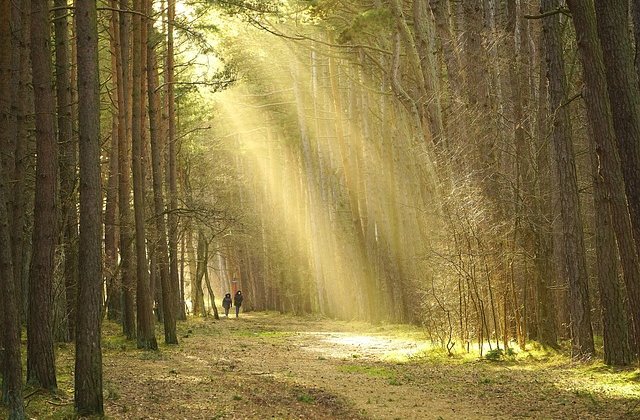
x: 392, y: 349
x: 345, y: 345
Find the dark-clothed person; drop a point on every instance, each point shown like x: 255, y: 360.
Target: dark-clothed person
x: 237, y: 301
x: 226, y: 304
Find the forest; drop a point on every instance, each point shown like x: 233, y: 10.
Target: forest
x: 469, y: 170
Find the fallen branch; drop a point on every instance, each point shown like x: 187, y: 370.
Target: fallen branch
x: 562, y: 10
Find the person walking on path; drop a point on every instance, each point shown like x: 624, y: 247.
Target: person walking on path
x: 226, y: 304
x: 237, y: 301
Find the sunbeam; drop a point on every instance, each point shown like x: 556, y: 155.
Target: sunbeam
x: 329, y: 175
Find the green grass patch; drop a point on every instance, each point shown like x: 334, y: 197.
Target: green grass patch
x: 113, y: 339
x: 600, y: 379
x: 440, y: 356
x: 395, y: 382
x: 306, y: 398
x: 110, y: 392
x: 50, y: 405
x: 497, y: 355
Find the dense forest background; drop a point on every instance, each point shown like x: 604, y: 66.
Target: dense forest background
x: 468, y: 166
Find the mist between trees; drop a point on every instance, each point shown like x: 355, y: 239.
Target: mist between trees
x: 465, y: 166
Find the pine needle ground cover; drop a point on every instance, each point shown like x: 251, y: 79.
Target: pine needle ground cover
x: 266, y: 365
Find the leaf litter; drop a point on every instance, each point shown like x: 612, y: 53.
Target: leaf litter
x: 272, y: 366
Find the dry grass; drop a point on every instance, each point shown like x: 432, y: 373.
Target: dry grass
x: 273, y: 366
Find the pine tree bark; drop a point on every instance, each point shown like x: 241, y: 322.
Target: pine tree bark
x: 113, y: 287
x: 40, y: 359
x: 622, y: 83
x: 602, y: 121
x: 88, y: 396
x: 11, y: 361
x: 161, y: 249
x: 423, y: 45
x: 144, y: 311
x: 124, y: 178
x: 8, y: 120
x: 212, y: 297
x: 67, y: 163
x: 440, y: 11
x: 541, y: 227
x: 5, y: 115
x: 10, y: 357
x: 635, y: 14
x: 196, y: 288
x: 172, y: 164
x: 477, y: 86
x: 614, y: 320
x: 575, y: 261
x: 201, y: 267
x: 19, y: 201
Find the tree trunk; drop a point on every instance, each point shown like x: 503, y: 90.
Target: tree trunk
x: 212, y: 297
x: 573, y: 242
x: 88, y: 368
x: 22, y: 153
x: 616, y: 61
x: 161, y: 250
x: 614, y: 322
x: 425, y: 52
x: 172, y: 175
x: 124, y: 186
x: 113, y: 287
x: 6, y: 103
x: 440, y: 11
x: 10, y: 357
x: 67, y: 164
x: 144, y: 311
x: 201, y: 267
x: 196, y: 288
x: 635, y: 13
x: 8, y: 122
x: 622, y: 84
x: 40, y: 359
x: 477, y: 90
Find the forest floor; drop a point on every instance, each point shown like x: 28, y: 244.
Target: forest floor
x: 271, y: 366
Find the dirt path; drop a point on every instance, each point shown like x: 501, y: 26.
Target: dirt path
x: 269, y: 366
